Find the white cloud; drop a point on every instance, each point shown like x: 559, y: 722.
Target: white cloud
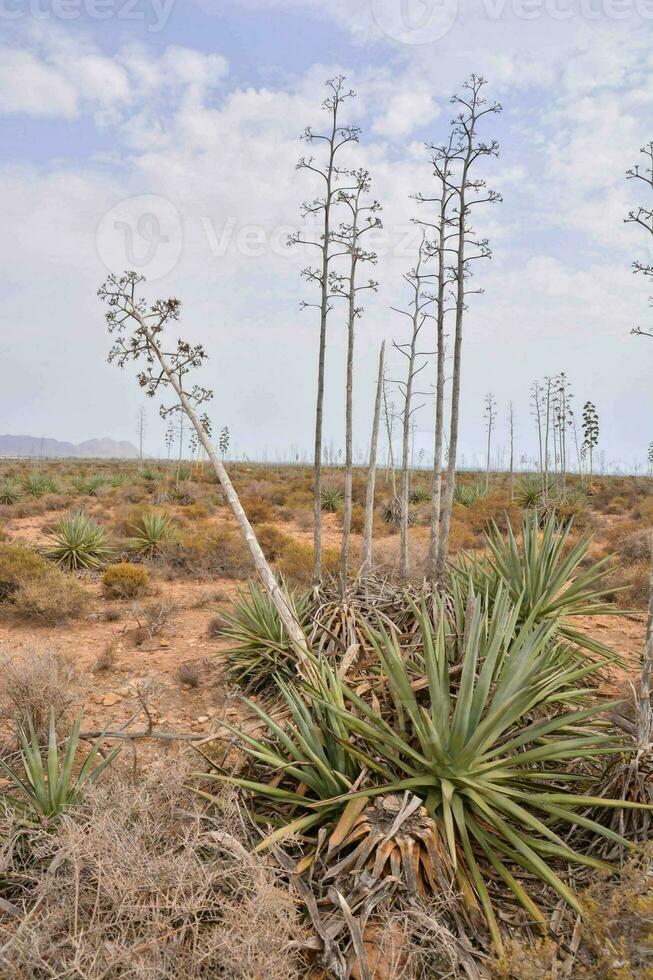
x: 405, y: 112
x: 28, y: 86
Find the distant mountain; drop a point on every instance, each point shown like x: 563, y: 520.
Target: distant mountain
x: 91, y: 449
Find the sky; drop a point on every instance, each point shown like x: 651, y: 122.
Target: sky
x: 163, y: 135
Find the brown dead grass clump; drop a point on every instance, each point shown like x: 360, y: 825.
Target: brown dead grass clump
x: 52, y: 599
x: 136, y: 884
x: 210, y: 551
x: 32, y: 683
x: 631, y: 585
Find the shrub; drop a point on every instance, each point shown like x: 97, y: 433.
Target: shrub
x: 152, y: 535
x: 9, y: 492
x: 629, y: 585
x: 635, y: 546
x: 614, y: 942
x: 125, y: 581
x: 258, y: 510
x: 136, y: 884
x: 51, y: 599
x: 211, y: 550
x: 19, y: 565
x: 77, y: 541
x: 296, y: 564
x: 617, y: 505
x: 188, y: 673
x: 358, y: 519
x: 106, y: 658
x: 299, y: 500
x: 35, y: 682
x: 273, y: 542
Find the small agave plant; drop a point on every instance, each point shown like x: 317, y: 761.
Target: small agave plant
x: 332, y: 498
x: 151, y: 535
x: 48, y: 784
x: 77, y: 542
x: 38, y: 486
x: 9, y: 492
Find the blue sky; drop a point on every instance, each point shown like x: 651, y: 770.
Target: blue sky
x: 194, y: 117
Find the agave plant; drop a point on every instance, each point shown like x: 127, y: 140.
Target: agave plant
x: 309, y: 754
x: 493, y: 780
x: 48, y: 785
x: 261, y: 649
x: 9, y: 492
x: 528, y: 492
x: 420, y: 495
x: 88, y: 486
x: 466, y: 494
x: 332, y: 498
x: 391, y: 512
x: 151, y: 535
x: 38, y: 486
x: 544, y: 574
x: 77, y: 541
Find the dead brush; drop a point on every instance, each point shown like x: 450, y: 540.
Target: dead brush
x: 153, y: 618
x: 35, y: 682
x: 106, y: 659
x: 188, y: 673
x: 145, y: 887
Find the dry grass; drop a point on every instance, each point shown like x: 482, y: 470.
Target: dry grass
x: 296, y: 564
x: 188, y: 673
x: 616, y: 941
x: 136, y: 884
x: 35, y: 682
x: 51, y: 599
